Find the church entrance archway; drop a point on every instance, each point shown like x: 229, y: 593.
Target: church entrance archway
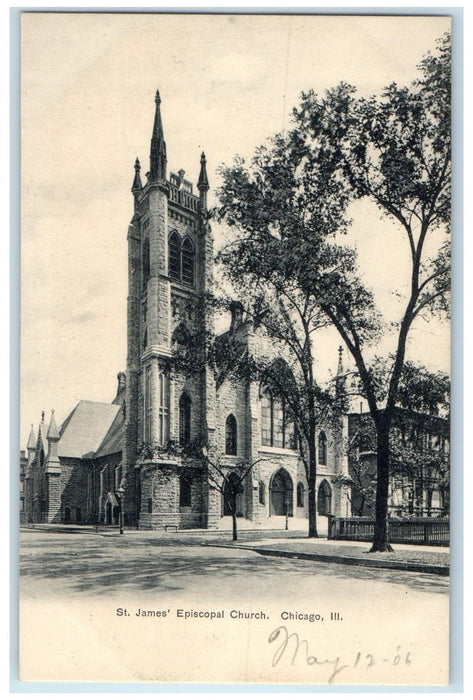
x: 280, y: 493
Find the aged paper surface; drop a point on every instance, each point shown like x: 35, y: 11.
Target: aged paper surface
x: 99, y: 606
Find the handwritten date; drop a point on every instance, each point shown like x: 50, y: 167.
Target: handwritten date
x: 293, y: 649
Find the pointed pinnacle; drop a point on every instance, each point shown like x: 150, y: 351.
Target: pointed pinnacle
x: 53, y: 433
x: 203, y: 182
x: 137, y: 185
x: 32, y: 439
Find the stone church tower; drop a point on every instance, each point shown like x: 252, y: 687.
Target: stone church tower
x: 170, y: 254
x: 141, y: 455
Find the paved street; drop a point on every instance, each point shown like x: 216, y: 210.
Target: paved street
x: 84, y: 594
x: 104, y: 564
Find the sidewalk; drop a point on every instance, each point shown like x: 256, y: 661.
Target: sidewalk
x: 406, y: 557
x: 277, y: 543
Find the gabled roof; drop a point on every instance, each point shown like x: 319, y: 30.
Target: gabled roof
x: 85, y: 428
x: 113, y: 440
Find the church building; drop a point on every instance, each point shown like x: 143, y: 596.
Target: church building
x: 139, y: 454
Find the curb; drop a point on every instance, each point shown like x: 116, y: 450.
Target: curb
x: 351, y: 561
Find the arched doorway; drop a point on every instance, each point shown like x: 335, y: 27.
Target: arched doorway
x: 324, y: 498
x: 112, y: 509
x: 67, y: 515
x: 280, y: 489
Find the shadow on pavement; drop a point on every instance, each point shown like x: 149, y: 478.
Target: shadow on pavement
x: 104, y: 565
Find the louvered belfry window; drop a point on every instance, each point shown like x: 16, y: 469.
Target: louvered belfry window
x: 181, y: 259
x: 174, y: 256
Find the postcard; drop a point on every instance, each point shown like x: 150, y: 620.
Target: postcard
x: 235, y: 348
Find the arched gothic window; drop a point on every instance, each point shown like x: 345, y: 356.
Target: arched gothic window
x: 145, y: 261
x: 277, y: 430
x: 187, y: 262
x: 322, y: 448
x: 324, y: 498
x: 185, y: 490
x: 185, y: 419
x: 231, y: 435
x: 174, y: 256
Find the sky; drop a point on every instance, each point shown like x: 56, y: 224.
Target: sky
x: 227, y: 82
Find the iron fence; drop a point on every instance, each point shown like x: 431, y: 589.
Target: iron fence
x: 430, y: 531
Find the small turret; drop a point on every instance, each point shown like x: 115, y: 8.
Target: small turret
x: 52, y: 465
x: 203, y: 183
x: 158, y: 160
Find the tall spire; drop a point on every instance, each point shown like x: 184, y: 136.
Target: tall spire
x: 158, y: 146
x: 203, y: 182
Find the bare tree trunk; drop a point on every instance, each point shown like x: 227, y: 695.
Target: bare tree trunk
x: 311, y: 498
x: 361, y: 507
x: 234, y: 524
x: 380, y: 539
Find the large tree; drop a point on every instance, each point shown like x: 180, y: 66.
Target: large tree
x: 290, y: 205
x: 260, y: 266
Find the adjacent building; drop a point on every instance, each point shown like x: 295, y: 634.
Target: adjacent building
x: 420, y: 464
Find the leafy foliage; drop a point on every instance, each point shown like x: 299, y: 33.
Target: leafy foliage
x: 288, y: 212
